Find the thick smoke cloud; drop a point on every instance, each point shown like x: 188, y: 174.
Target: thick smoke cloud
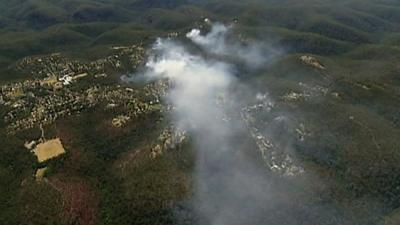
x: 230, y: 185
x: 196, y: 83
x: 217, y: 42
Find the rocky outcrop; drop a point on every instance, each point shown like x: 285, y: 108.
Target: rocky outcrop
x: 311, y: 61
x: 170, y: 138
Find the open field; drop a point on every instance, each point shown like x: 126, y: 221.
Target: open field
x: 49, y: 149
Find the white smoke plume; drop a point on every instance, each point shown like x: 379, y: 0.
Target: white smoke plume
x: 217, y: 42
x: 226, y: 183
x: 230, y: 187
x: 196, y: 82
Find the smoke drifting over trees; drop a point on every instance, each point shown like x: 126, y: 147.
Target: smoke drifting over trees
x: 231, y: 186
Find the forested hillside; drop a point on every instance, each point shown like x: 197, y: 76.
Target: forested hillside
x: 328, y: 92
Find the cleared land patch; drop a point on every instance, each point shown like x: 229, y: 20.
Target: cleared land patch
x: 49, y: 149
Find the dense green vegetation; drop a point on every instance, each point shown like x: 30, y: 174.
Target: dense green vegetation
x: 355, y: 146
x: 40, y: 26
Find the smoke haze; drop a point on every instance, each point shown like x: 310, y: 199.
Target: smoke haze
x: 217, y: 42
x: 230, y: 185
x: 227, y: 187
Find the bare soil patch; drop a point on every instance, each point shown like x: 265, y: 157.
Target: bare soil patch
x: 49, y: 149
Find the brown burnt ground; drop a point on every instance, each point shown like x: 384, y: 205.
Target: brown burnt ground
x: 80, y: 202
